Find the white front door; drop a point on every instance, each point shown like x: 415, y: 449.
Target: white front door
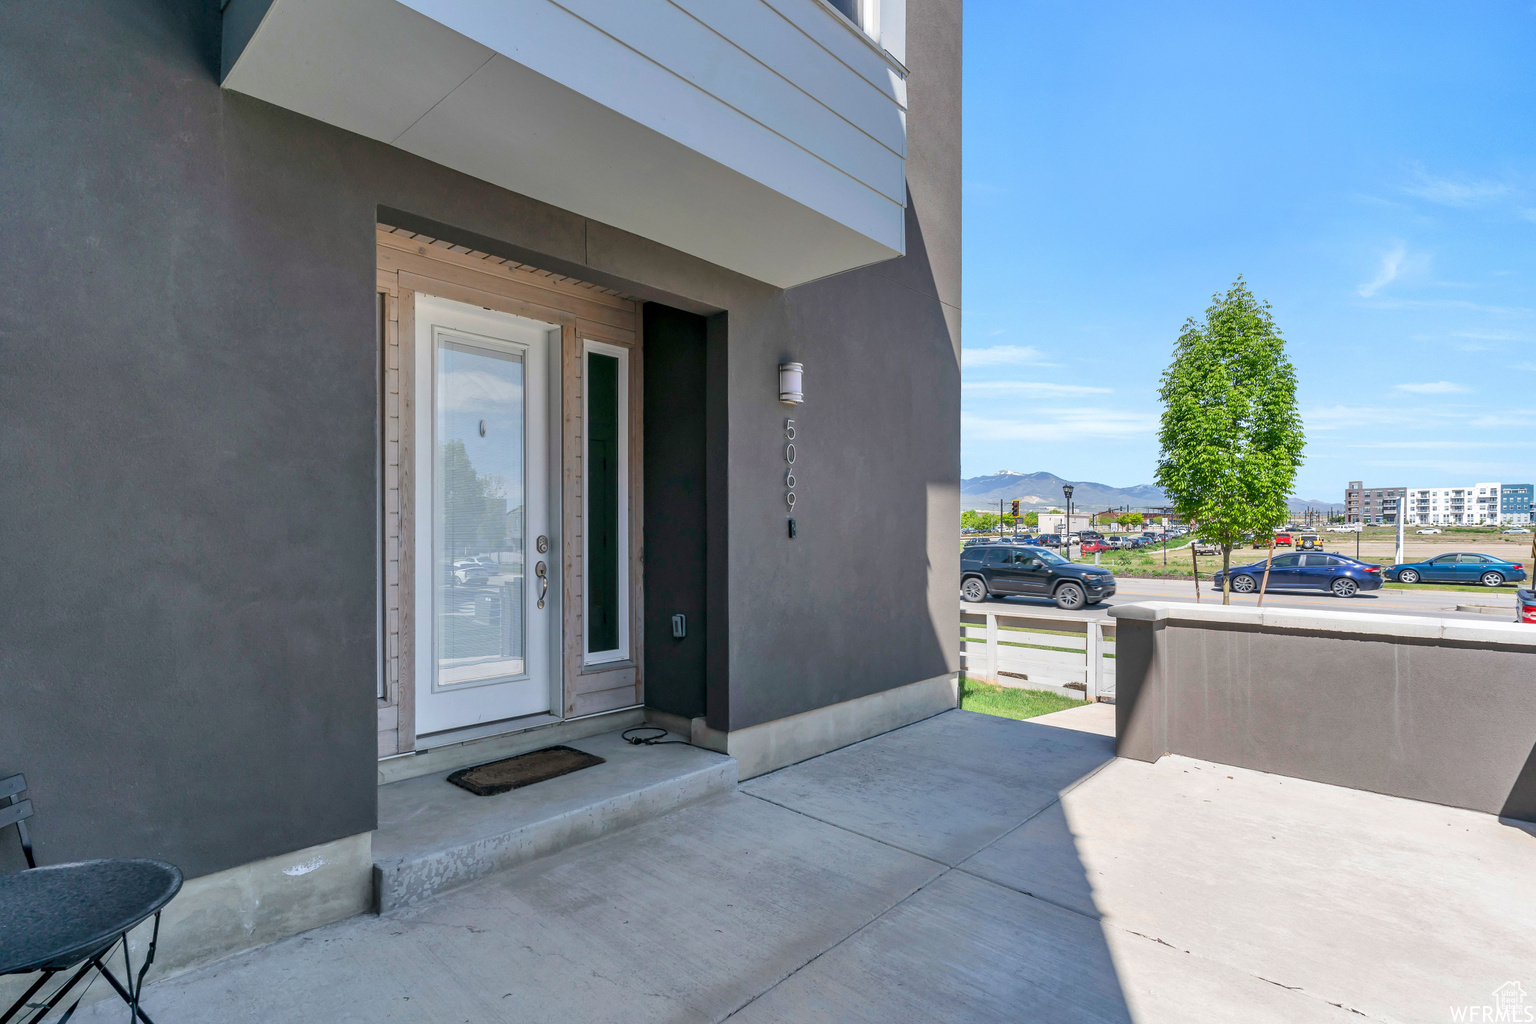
x: 485, y: 558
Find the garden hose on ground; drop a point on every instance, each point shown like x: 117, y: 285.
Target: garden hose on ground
x: 649, y: 741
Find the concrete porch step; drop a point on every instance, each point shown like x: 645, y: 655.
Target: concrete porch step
x: 434, y: 836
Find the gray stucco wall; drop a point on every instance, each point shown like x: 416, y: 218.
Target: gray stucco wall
x: 1441, y: 712
x: 188, y: 423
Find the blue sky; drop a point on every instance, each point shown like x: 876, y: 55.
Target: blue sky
x: 1370, y: 169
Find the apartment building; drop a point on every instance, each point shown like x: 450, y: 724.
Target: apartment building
x: 1515, y: 504
x: 1374, y: 506
x: 1480, y: 504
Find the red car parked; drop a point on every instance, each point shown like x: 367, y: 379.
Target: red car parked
x: 1525, y: 606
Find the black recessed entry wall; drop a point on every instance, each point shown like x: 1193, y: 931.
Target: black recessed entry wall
x: 675, y: 524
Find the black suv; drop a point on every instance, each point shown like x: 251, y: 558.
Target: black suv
x: 1001, y: 570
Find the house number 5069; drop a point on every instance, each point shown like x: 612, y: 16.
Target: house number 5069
x: 789, y: 464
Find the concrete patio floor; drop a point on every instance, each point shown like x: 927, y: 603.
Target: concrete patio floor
x: 965, y: 868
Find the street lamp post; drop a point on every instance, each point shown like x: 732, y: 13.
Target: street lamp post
x: 1067, y: 490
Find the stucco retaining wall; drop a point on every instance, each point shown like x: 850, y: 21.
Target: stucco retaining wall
x: 1442, y: 710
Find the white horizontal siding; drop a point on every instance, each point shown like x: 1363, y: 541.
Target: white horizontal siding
x: 645, y: 58
x: 768, y: 36
x: 842, y: 41
x: 694, y: 51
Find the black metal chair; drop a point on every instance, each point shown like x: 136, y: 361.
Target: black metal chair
x: 70, y: 917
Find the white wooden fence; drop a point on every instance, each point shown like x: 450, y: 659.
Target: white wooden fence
x: 1039, y: 652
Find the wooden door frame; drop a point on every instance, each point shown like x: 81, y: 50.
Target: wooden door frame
x: 409, y: 263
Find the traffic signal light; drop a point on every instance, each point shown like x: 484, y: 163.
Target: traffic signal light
x: 1015, y: 508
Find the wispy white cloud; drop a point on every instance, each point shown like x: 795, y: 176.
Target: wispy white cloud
x: 1502, y: 421
x: 1344, y: 417
x: 1490, y: 335
x: 1391, y: 265
x: 1486, y: 341
x: 1031, y: 388
x: 1061, y: 425
x: 1002, y: 355
x: 1461, y: 193
x: 1443, y: 304
x: 1434, y: 387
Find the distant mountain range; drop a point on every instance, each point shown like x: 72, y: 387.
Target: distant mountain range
x: 1037, y: 491
x: 1043, y: 490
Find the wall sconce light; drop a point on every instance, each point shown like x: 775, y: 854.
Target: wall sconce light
x: 790, y: 378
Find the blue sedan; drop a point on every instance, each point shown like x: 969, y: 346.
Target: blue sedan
x: 1459, y: 567
x: 1339, y: 575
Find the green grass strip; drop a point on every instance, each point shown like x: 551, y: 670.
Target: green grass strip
x: 1010, y: 702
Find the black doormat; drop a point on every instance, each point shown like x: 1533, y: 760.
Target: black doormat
x: 523, y: 770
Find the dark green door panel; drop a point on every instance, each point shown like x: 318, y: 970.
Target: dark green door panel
x: 602, y: 526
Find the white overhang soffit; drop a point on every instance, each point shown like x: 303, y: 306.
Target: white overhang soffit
x: 759, y: 135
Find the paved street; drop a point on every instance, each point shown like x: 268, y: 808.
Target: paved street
x: 1439, y: 603
x: 963, y: 869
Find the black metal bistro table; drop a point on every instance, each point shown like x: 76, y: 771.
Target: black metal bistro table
x: 70, y: 916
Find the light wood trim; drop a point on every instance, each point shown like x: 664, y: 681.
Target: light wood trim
x: 391, y: 519
x: 389, y: 651
x: 480, y: 263
x: 407, y: 701
x: 594, y: 701
x: 573, y: 363
x: 586, y: 307
x: 637, y: 518
x: 595, y: 331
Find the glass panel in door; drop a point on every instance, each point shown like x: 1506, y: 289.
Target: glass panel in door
x: 479, y: 533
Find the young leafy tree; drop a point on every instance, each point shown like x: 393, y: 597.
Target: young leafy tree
x: 1130, y: 520
x: 476, y: 521
x: 1231, y: 437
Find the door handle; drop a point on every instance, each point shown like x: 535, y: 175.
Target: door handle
x: 543, y: 574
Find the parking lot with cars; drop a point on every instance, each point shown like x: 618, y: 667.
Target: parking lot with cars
x: 1315, y: 569
x: 1496, y: 605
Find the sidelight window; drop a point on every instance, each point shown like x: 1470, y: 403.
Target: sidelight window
x: 605, y: 533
